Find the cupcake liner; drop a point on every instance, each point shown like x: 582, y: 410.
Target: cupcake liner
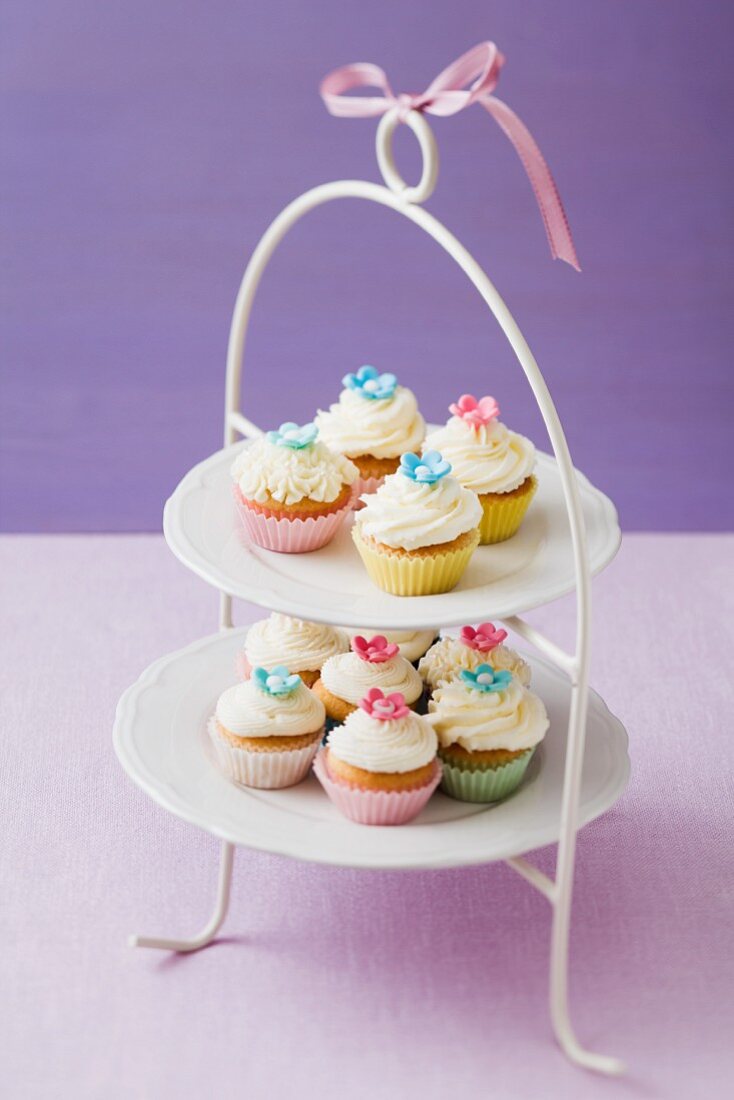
x: 502, y: 517
x: 365, y: 485
x: 290, y: 536
x: 374, y: 807
x: 242, y: 666
x: 264, y: 770
x: 485, y: 784
x: 418, y: 576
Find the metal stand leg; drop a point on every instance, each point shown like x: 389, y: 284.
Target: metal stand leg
x: 207, y: 933
x: 562, y: 895
x: 225, y: 611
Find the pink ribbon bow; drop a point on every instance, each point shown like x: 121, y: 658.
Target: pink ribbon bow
x: 448, y: 94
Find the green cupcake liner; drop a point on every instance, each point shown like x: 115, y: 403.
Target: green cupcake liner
x: 484, y: 784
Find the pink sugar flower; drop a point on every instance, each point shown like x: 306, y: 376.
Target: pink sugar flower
x: 384, y: 707
x: 484, y: 638
x: 477, y: 413
x: 375, y: 650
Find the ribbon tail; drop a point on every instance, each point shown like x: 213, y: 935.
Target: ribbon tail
x: 549, y: 202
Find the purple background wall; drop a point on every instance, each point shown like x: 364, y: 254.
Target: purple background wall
x: 146, y: 147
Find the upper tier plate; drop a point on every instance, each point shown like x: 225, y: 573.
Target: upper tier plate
x: 160, y: 739
x: 202, y: 528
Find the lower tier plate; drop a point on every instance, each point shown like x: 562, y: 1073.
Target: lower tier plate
x: 160, y: 739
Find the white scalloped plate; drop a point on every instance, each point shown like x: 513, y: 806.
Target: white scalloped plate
x: 160, y: 739
x: 203, y: 530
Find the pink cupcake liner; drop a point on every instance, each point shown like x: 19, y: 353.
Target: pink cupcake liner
x: 242, y: 666
x: 365, y: 485
x: 375, y: 807
x: 264, y: 770
x: 290, y: 536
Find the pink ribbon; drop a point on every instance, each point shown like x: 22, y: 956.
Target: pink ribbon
x: 479, y: 68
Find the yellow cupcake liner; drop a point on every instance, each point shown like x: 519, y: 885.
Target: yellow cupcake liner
x: 504, y: 512
x: 401, y: 575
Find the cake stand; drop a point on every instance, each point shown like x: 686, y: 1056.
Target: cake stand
x: 570, y: 532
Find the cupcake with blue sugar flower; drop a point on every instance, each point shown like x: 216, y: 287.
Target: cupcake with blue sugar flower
x: 373, y: 423
x: 488, y: 726
x: 291, y: 491
x: 418, y: 531
x: 266, y: 731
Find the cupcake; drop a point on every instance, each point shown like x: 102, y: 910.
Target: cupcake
x: 380, y: 767
x: 372, y: 663
x: 292, y: 492
x: 299, y: 645
x: 374, y: 421
x: 446, y: 659
x: 417, y: 533
x: 494, y: 462
x: 488, y: 727
x: 265, y: 732
x: 411, y: 643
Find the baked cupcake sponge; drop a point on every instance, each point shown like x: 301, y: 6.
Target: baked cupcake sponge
x: 379, y: 781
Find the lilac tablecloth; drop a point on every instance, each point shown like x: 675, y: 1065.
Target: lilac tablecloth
x: 336, y: 983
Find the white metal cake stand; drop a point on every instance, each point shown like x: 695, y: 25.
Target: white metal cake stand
x: 570, y: 532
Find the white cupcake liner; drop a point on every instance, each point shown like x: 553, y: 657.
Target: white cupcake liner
x: 264, y: 770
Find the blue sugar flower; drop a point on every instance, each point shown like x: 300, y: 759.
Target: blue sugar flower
x: 486, y: 678
x: 426, y: 470
x: 291, y: 436
x: 370, y: 383
x: 277, y: 682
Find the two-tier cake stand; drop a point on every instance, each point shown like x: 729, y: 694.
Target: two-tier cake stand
x: 570, y: 533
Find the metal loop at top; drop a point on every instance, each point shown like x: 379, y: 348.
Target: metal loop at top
x: 419, y: 125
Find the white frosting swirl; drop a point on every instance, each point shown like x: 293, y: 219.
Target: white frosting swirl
x: 246, y: 711
x: 411, y: 643
x: 350, y: 678
x: 446, y: 659
x: 300, y: 645
x: 382, y: 427
x: 398, y: 745
x: 264, y: 470
x: 514, y: 719
x: 407, y: 514
x: 487, y: 459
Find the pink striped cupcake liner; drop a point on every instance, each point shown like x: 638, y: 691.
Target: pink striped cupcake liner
x: 242, y: 666
x: 375, y: 807
x: 290, y: 536
x: 365, y: 485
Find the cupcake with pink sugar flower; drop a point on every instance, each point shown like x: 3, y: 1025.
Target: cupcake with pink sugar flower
x: 496, y: 463
x: 291, y: 491
x: 474, y: 646
x: 347, y: 678
x: 380, y: 766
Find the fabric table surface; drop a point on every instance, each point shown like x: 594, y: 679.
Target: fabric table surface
x: 337, y: 983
